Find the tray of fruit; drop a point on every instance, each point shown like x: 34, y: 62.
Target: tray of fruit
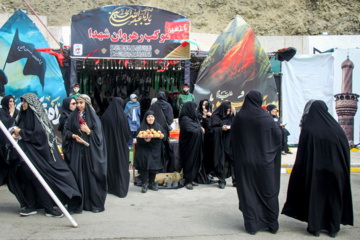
x: 150, y: 133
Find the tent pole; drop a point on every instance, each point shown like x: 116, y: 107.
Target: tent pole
x: 42, y: 23
x: 37, y: 174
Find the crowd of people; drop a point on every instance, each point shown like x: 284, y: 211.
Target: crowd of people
x: 245, y: 145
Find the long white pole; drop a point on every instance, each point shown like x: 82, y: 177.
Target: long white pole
x: 37, y: 174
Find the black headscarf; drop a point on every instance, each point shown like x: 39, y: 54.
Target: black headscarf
x: 270, y: 107
x: 205, y: 122
x: 306, y: 111
x: 190, y: 142
x: 65, y: 113
x: 257, y: 140
x: 117, y: 135
x: 165, y: 107
x: 219, y: 116
x: 148, y: 155
x: 89, y: 164
x: 319, y: 189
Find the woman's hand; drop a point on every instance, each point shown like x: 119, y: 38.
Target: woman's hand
x: 162, y: 136
x: 16, y: 131
x: 85, y: 129
x: 77, y: 138
x: 233, y: 110
x: 147, y: 139
x: 203, y: 130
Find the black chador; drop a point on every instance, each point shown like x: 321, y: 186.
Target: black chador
x: 8, y: 122
x: 319, y: 191
x: 38, y: 141
x: 149, y: 159
x: 88, y: 163
x: 65, y: 113
x: 222, y: 149
x: 117, y: 135
x: 190, y: 142
x: 257, y: 140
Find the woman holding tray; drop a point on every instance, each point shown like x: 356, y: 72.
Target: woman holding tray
x: 148, y: 155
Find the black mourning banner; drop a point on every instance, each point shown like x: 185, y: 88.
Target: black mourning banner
x: 129, y: 32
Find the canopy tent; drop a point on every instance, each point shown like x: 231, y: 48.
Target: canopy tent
x: 140, y: 48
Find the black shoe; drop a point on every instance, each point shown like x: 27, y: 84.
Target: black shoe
x: 189, y: 186
x: 152, y: 187
x: 332, y: 234
x: 144, y: 188
x: 195, y: 184
x: 221, y: 185
x: 273, y: 231
x: 28, y: 212
x: 315, y: 233
x: 71, y: 212
x: 288, y: 152
x: 95, y: 210
x: 252, y: 233
x: 54, y: 213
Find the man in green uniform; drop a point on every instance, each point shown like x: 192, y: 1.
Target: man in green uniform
x: 184, y: 97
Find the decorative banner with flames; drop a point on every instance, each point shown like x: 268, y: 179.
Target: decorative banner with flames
x: 129, y: 32
x: 236, y: 64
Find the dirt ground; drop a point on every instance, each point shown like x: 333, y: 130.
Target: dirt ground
x: 266, y: 17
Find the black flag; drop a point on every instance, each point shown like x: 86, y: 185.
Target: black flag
x: 35, y: 64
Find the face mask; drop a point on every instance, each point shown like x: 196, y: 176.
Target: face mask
x: 76, y: 89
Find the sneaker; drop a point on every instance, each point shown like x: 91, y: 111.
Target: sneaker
x: 54, y: 213
x: 189, y: 186
x: 28, y: 212
x: 152, y: 187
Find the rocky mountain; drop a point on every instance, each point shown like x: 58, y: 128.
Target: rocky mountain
x: 266, y: 17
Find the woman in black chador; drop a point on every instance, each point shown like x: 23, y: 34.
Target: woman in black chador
x: 68, y: 106
x: 117, y: 134
x: 319, y: 191
x: 8, y: 113
x: 220, y: 122
x: 164, y: 116
x: 38, y: 141
x: 190, y: 143
x: 148, y: 155
x: 257, y: 140
x: 203, y: 114
x: 88, y: 163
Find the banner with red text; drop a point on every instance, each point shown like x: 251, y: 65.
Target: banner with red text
x: 129, y: 32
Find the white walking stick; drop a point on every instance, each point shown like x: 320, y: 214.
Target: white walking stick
x: 37, y: 174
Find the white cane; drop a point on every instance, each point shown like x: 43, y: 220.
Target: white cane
x: 37, y: 174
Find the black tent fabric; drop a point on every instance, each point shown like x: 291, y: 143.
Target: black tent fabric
x: 319, y: 189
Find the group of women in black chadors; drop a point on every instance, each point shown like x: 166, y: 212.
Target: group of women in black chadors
x: 319, y: 190
x: 246, y: 146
